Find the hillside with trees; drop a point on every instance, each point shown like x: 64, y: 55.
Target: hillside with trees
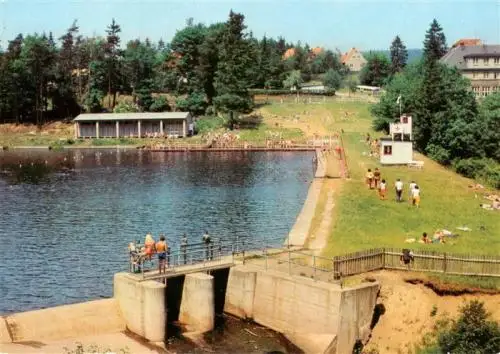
x: 205, y: 68
x: 450, y: 126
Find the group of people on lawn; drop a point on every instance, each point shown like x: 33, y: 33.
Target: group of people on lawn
x: 374, y: 180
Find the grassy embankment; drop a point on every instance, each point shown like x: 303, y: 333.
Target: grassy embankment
x: 362, y: 221
x: 60, y: 134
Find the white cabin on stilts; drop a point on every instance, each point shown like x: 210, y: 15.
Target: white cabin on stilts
x: 397, y: 149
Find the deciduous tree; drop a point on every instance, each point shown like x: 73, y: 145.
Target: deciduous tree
x: 376, y: 71
x: 332, y: 79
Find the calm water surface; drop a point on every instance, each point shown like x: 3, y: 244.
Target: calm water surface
x: 66, y: 217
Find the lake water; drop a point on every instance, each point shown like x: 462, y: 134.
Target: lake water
x: 67, y: 217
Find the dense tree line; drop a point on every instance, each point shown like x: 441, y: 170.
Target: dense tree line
x: 449, y: 124
x: 207, y: 68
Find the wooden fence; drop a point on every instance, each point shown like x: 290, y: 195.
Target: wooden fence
x: 304, y: 98
x: 423, y: 261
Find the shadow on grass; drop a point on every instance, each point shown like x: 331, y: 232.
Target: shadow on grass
x: 250, y: 121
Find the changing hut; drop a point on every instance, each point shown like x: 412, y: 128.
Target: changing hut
x: 397, y: 149
x: 132, y: 125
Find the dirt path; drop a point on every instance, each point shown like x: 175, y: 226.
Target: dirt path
x: 407, y: 318
x: 318, y: 240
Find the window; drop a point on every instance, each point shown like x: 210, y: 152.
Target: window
x: 405, y: 120
x: 496, y: 61
x: 474, y: 75
x: 485, y: 75
x: 388, y: 150
x: 486, y: 61
x: 475, y: 61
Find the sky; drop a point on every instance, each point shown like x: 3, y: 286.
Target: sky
x: 342, y: 24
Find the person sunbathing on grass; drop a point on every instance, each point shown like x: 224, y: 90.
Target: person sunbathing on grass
x: 488, y: 207
x: 425, y: 238
x: 439, y: 237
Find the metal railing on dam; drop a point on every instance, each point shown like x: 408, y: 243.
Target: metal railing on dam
x: 269, y: 254
x: 197, y: 257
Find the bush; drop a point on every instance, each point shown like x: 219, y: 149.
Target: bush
x: 487, y: 170
x: 207, y: 124
x: 195, y: 103
x: 332, y: 79
x: 125, y: 107
x: 438, y: 154
x: 210, y: 111
x: 472, y: 332
x: 160, y: 104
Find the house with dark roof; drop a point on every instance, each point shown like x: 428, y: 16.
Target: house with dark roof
x: 353, y: 59
x: 479, y: 63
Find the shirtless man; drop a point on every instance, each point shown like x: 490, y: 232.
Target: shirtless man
x: 161, y: 249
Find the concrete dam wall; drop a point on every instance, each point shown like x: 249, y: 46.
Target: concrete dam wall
x: 68, y: 321
x: 316, y: 316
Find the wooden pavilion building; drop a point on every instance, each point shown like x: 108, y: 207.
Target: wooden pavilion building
x: 132, y: 125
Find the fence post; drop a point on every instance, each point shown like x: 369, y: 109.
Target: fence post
x: 336, y: 268
x: 444, y: 262
x: 383, y: 258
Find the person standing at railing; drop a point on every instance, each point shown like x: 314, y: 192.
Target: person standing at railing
x: 149, y: 245
x: 208, y: 245
x: 161, y: 249
x: 184, y: 245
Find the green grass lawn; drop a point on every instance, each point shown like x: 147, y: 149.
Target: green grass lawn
x: 363, y: 221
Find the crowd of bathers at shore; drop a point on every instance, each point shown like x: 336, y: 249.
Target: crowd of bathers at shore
x: 140, y: 253
x: 374, y: 180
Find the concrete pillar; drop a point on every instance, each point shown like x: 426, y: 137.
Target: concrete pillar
x: 161, y: 127
x: 142, y: 305
x: 240, y: 292
x: 76, y: 130
x: 97, y: 129
x: 155, y: 314
x: 117, y: 129
x: 184, y: 132
x: 197, y: 305
x: 138, y: 128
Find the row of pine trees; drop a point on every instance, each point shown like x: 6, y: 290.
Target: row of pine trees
x: 204, y: 67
